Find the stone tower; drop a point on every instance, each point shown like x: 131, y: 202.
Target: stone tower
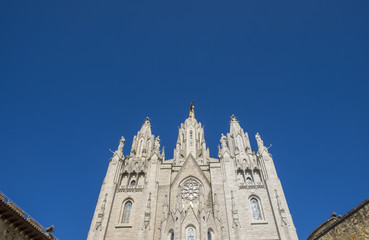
x: 237, y: 196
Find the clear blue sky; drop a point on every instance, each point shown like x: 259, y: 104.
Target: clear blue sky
x: 77, y: 75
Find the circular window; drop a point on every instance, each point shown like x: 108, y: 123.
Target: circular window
x: 190, y: 189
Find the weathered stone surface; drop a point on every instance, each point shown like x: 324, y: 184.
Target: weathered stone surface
x: 16, y: 224
x: 352, y: 226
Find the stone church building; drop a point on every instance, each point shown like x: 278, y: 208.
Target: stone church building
x: 237, y: 196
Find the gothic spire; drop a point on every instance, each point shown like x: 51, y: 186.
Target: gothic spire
x: 191, y: 140
x: 143, y: 142
x: 237, y: 141
x: 146, y: 126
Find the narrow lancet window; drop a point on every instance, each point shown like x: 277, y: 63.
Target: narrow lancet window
x: 209, y: 235
x: 127, y: 211
x: 172, y: 236
x: 190, y: 233
x: 255, y: 207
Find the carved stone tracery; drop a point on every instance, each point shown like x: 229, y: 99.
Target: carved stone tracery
x: 190, y: 189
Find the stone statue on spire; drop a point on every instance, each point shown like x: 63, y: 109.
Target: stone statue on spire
x: 119, y: 151
x: 121, y: 144
x: 192, y: 110
x: 157, y: 144
x: 260, y: 143
x: 261, y: 147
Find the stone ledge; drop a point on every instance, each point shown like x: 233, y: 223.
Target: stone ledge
x: 123, y: 226
x: 259, y: 222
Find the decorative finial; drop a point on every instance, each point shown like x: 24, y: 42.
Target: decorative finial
x: 233, y: 119
x: 147, y: 120
x: 192, y: 110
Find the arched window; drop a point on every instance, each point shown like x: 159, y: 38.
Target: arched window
x: 248, y: 181
x: 127, y: 211
x: 255, y: 208
x: 172, y: 235
x: 133, y: 184
x: 209, y: 234
x: 190, y: 233
x: 249, y: 177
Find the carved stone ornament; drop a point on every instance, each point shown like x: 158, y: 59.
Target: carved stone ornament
x: 190, y: 189
x: 165, y: 208
x: 100, y: 216
x: 216, y: 206
x: 223, y: 142
x: 147, y: 212
x: 281, y: 209
x: 157, y: 143
x: 236, y: 222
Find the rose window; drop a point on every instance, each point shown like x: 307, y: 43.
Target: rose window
x: 190, y: 189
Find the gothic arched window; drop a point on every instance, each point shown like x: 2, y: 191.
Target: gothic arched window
x: 172, y: 236
x: 209, y: 234
x: 249, y: 181
x: 255, y: 208
x: 249, y: 177
x: 127, y: 211
x: 190, y: 233
x: 133, y: 184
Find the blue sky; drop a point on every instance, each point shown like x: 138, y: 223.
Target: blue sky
x: 77, y: 75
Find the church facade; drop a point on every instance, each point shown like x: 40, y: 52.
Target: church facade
x: 237, y: 196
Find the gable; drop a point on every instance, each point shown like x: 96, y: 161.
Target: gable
x: 190, y: 168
